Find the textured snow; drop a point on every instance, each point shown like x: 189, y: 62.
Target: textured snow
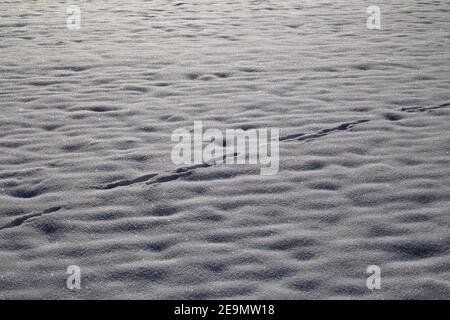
x: 86, y: 177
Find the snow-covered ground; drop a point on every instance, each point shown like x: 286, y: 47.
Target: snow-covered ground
x: 86, y: 176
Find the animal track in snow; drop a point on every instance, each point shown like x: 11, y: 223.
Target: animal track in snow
x: 321, y: 133
x: 24, y: 218
x: 424, y: 109
x: 127, y: 182
x: 155, y: 178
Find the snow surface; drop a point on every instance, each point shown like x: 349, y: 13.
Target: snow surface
x: 86, y: 177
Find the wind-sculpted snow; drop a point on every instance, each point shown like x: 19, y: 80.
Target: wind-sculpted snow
x: 86, y: 176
